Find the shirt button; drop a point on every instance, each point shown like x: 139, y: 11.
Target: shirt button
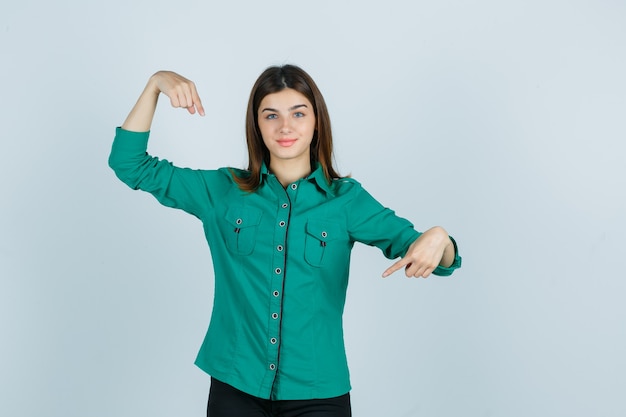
x: 274, y: 316
x: 324, y: 234
x: 279, y: 248
x: 285, y: 205
x: 278, y: 271
x: 294, y: 186
x: 272, y: 366
x: 275, y: 293
x: 238, y: 221
x: 282, y: 223
x: 273, y: 340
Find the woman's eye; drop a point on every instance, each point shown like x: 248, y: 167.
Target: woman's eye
x: 271, y: 116
x: 298, y: 114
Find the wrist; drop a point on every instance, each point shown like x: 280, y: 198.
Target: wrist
x: 152, y: 87
x: 440, y: 232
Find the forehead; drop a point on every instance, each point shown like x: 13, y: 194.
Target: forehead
x: 284, y: 100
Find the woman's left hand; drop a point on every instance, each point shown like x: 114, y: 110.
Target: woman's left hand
x: 431, y: 249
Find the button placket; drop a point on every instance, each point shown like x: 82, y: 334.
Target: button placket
x: 292, y: 191
x: 278, y: 276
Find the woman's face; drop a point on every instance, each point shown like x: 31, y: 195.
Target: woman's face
x: 287, y: 123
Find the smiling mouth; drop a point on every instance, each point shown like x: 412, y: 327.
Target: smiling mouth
x: 286, y: 142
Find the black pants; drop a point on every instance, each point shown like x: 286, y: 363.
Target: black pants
x: 227, y: 401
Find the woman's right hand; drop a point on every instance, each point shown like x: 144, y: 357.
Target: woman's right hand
x: 181, y: 91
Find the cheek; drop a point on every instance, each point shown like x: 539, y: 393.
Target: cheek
x: 265, y: 131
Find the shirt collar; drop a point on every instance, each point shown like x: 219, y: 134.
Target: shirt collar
x: 316, y: 176
x: 264, y: 171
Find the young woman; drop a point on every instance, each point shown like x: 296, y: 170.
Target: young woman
x: 280, y: 234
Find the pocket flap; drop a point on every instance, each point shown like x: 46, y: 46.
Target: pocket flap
x: 323, y: 230
x: 242, y: 217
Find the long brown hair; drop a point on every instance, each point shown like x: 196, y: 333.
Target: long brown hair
x: 273, y: 80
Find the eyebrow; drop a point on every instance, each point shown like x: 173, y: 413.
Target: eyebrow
x: 297, y: 106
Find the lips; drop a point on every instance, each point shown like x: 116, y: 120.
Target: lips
x: 286, y: 142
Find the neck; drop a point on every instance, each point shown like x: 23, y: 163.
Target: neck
x: 288, y: 172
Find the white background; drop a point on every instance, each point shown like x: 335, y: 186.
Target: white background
x: 501, y: 121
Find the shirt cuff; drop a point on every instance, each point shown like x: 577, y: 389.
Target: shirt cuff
x: 446, y: 271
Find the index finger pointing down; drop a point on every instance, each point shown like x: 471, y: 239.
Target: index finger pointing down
x: 393, y: 268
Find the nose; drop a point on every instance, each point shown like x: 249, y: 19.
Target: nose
x: 286, y: 125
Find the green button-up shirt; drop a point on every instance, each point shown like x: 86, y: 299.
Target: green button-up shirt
x: 281, y: 259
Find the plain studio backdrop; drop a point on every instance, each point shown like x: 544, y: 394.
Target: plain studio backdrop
x: 501, y: 121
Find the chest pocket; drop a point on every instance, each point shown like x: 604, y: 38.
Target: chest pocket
x: 240, y: 229
x: 320, y: 239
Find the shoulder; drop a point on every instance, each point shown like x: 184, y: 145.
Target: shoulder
x: 355, y: 192
x: 222, y: 175
x: 230, y: 172
x: 346, y: 185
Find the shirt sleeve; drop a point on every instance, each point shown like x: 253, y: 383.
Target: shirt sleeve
x: 190, y: 190
x: 373, y: 224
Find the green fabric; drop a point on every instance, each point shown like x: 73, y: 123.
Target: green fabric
x: 281, y: 259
